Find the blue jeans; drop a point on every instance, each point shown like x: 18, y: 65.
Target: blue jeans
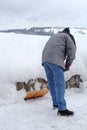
x: 56, y: 83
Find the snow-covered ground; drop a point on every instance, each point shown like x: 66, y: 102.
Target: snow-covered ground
x: 20, y: 60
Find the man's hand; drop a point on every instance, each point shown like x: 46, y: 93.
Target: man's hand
x: 67, y: 66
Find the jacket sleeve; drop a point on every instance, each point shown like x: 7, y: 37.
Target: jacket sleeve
x: 70, y: 51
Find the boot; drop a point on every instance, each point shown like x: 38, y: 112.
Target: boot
x: 65, y: 112
x: 55, y: 106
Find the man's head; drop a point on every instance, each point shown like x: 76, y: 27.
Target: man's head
x: 66, y: 30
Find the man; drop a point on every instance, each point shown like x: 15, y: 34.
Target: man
x: 57, y: 57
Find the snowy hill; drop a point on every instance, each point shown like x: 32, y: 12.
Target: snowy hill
x: 20, y: 60
x: 44, y: 31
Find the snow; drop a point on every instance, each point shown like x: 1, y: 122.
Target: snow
x: 20, y: 60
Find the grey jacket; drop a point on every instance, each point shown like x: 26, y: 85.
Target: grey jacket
x: 59, y: 49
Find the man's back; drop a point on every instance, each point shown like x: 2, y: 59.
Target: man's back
x: 54, y: 51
